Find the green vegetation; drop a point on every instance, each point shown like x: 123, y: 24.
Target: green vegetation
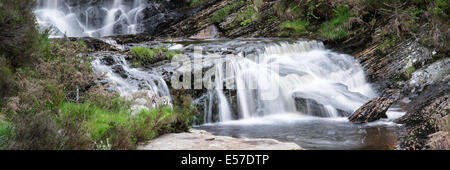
x: 442, y: 10
x: 408, y: 71
x: 248, y: 15
x: 6, y: 133
x: 197, y: 3
x: 388, y: 43
x: 141, y: 56
x: 294, y: 28
x: 272, y: 19
x: 335, y: 29
x: 118, y: 128
x: 50, y: 97
x: 221, y: 14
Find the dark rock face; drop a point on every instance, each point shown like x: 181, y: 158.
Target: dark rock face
x: 119, y: 70
x: 108, y: 60
x: 312, y: 107
x: 372, y: 111
x: 427, y: 117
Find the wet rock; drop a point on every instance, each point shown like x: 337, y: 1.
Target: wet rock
x: 120, y: 70
x: 312, y: 107
x: 372, y: 111
x: 202, y: 140
x: 94, y: 43
x: 427, y: 114
x: 108, y: 60
x: 146, y: 99
x: 439, y: 141
x: 210, y: 32
x: 128, y: 39
x: 430, y: 74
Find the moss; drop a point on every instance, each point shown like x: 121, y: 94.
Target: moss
x: 248, y: 15
x: 141, y: 56
x: 197, y: 3
x: 222, y: 13
x: 295, y: 28
x: 272, y: 19
x: 335, y: 28
x: 388, y: 44
x: 6, y: 134
x: 442, y: 10
x: 409, y: 70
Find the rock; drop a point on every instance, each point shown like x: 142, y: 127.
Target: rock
x: 210, y: 32
x: 108, y: 60
x: 430, y: 74
x: 427, y: 114
x: 202, y: 140
x: 120, y: 70
x: 439, y: 141
x: 372, y: 111
x: 146, y: 99
x: 312, y: 107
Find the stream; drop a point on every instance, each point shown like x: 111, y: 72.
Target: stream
x: 292, y: 90
x: 311, y: 90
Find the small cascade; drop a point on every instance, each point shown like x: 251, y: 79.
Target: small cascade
x: 105, y: 18
x: 301, y: 77
x: 127, y: 80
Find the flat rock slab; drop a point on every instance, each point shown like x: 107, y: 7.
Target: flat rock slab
x: 202, y: 140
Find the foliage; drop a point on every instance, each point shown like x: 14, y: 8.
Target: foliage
x: 18, y: 32
x: 120, y: 129
x: 142, y: 56
x: 442, y: 9
x: 197, y: 3
x: 336, y: 29
x: 388, y: 43
x: 6, y: 133
x: 297, y: 27
x: 248, y: 15
x: 222, y: 13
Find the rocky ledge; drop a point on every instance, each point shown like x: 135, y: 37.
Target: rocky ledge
x: 202, y: 140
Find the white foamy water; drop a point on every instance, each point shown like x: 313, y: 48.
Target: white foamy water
x: 74, y: 22
x: 269, y: 83
x: 136, y: 79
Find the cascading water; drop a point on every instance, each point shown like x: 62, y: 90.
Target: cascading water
x: 109, y: 17
x: 128, y: 80
x: 301, y: 77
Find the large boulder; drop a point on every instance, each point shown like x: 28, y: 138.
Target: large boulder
x: 210, y: 32
x: 372, y: 111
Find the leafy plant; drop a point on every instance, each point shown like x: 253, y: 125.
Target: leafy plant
x: 335, y: 29
x: 297, y: 27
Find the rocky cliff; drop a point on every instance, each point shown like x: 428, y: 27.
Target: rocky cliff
x: 403, y: 48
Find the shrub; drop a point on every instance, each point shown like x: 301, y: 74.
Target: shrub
x: 297, y: 27
x: 222, y: 13
x: 197, y: 3
x: 18, y: 32
x: 336, y: 29
x: 8, y: 84
x: 247, y: 15
x: 6, y: 134
x: 36, y: 131
x: 442, y: 9
x: 141, y: 56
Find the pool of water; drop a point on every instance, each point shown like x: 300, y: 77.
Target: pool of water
x: 313, y: 132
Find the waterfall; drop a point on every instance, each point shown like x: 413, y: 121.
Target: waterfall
x: 103, y: 18
x: 125, y: 79
x: 301, y: 77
